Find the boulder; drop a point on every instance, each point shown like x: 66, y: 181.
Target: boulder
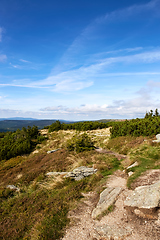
x: 81, y: 172
x: 145, y: 197
x: 107, y: 198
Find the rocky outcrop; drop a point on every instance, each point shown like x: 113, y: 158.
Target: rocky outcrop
x: 54, y: 174
x: 147, y: 197
x: 107, y: 198
x: 81, y: 172
x: 158, y: 138
x: 77, y: 174
x: 14, y: 188
x: 144, y: 201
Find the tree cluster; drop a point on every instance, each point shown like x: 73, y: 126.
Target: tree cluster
x: 19, y: 142
x: 148, y: 126
x: 79, y: 126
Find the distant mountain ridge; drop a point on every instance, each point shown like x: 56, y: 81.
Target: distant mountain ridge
x: 17, y: 118
x: 13, y: 124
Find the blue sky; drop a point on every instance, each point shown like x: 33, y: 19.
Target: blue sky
x: 79, y: 60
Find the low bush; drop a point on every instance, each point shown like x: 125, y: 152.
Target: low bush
x: 80, y: 143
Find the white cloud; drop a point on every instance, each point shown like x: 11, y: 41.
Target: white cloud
x: 153, y: 84
x: 3, y: 57
x: 136, y: 106
x: 129, y: 12
x: 25, y: 61
x: 15, y: 66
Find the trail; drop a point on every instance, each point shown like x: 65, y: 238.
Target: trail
x: 117, y: 225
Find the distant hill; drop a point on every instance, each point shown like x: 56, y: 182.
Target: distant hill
x: 13, y: 125
x: 110, y: 120
x: 17, y: 118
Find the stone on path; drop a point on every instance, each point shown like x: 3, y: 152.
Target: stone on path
x: 114, y: 232
x: 107, y: 198
x: 133, y: 165
x: 146, y: 197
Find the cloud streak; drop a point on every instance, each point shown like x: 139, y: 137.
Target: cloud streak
x: 3, y: 57
x: 75, y: 80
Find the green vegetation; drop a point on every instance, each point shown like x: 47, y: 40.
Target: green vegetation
x: 148, y: 126
x: 109, y: 210
x: 148, y: 157
x: 20, y: 142
x: 79, y: 126
x: 80, y: 143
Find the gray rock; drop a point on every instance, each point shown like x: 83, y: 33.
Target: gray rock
x: 114, y: 232
x: 51, y: 151
x: 146, y: 197
x: 130, y: 173
x: 158, y: 138
x: 55, y: 173
x: 133, y: 165
x: 81, y: 172
x: 107, y: 198
x: 12, y: 187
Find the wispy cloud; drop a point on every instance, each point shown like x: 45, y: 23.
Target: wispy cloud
x: 129, y: 12
x: 15, y: 66
x: 75, y: 80
x: 70, y: 59
x: 25, y: 61
x: 3, y: 57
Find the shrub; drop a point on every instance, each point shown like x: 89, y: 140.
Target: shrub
x: 80, y: 143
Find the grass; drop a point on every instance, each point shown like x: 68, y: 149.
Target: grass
x: 109, y: 210
x: 148, y: 157
x: 123, y: 145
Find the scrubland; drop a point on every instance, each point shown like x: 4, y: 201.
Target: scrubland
x: 40, y: 209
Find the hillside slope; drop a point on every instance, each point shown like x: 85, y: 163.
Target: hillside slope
x: 39, y: 207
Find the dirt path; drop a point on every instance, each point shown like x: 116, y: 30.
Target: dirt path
x: 117, y: 155
x: 118, y: 224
